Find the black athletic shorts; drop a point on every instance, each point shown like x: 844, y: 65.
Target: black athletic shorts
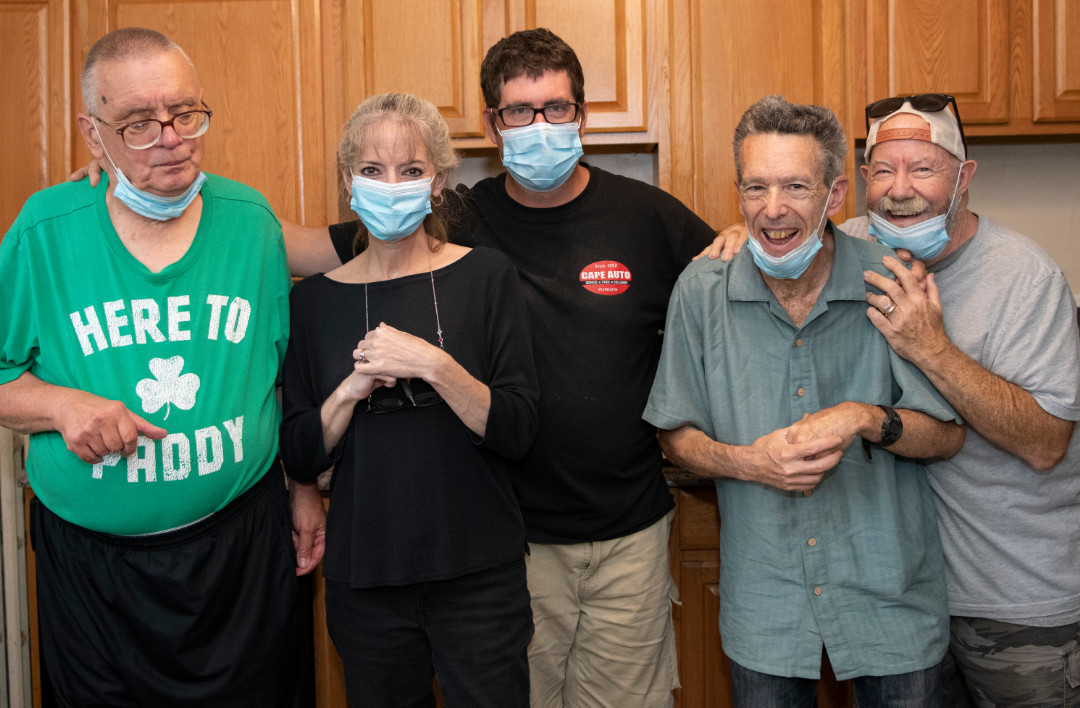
x: 206, y: 615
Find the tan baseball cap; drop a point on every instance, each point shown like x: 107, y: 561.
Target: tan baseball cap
x: 941, y: 129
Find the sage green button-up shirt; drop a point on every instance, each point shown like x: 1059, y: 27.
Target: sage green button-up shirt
x: 855, y: 565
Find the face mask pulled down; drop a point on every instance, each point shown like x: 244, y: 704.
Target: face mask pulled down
x: 541, y: 157
x: 391, y: 211
x: 145, y: 204
x: 794, y: 263
x: 926, y: 239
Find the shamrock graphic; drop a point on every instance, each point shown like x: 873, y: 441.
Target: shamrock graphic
x: 169, y: 386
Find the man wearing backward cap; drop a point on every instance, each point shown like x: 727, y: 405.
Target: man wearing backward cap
x: 994, y: 328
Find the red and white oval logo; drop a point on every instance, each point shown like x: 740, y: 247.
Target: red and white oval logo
x: 605, y: 278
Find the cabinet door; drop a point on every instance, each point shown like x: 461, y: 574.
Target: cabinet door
x: 958, y: 48
x: 730, y: 55
x: 429, y: 48
x: 1056, y: 72
x: 35, y: 140
x: 259, y: 63
x: 609, y: 38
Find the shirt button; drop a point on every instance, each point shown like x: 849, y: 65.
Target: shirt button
x: 801, y: 391
x: 807, y: 493
x: 798, y: 342
x: 812, y: 542
x: 817, y: 591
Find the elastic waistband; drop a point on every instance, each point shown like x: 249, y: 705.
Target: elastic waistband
x: 185, y: 534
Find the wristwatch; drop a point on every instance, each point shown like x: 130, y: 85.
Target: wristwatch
x: 891, y: 430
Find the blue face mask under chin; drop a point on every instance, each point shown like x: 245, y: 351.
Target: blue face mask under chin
x: 541, y: 157
x: 926, y: 239
x: 391, y: 211
x: 794, y: 263
x: 146, y: 204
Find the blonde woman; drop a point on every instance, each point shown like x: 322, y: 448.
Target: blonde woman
x: 410, y: 371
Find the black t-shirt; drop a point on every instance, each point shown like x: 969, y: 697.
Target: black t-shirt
x: 597, y: 274
x: 415, y: 495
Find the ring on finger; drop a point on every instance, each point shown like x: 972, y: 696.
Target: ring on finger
x: 889, y: 308
x: 363, y: 356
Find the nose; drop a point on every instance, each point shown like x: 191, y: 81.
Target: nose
x: 539, y: 117
x: 774, y: 204
x: 169, y: 137
x: 901, y: 187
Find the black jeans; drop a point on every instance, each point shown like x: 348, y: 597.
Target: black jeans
x: 472, y: 632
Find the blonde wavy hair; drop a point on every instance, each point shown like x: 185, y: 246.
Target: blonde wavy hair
x: 426, y: 128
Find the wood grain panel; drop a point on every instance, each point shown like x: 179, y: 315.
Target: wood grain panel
x: 1057, y: 61
x: 739, y: 53
x: 609, y: 37
x: 34, y: 107
x: 961, y: 48
x: 429, y: 48
x: 252, y: 66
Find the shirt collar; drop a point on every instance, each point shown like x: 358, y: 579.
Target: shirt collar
x: 845, y: 279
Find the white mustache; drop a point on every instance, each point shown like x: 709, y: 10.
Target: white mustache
x: 903, y: 207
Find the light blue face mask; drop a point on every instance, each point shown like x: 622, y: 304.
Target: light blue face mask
x: 541, y: 157
x: 151, y: 206
x: 926, y: 239
x: 794, y: 263
x: 391, y: 211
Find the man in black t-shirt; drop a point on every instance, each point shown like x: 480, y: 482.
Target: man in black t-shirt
x: 598, y: 255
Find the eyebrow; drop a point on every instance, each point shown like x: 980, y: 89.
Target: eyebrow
x: 148, y: 112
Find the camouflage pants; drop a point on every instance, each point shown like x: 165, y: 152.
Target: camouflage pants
x: 996, y: 664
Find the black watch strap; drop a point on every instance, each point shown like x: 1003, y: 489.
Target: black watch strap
x: 891, y: 430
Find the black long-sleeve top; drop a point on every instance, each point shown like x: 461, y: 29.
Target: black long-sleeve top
x: 415, y: 495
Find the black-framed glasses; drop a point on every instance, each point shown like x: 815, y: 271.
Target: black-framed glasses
x: 415, y: 393
x: 925, y: 102
x: 143, y: 134
x: 520, y: 116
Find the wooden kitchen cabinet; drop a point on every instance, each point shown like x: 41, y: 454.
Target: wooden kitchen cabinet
x: 695, y: 565
x: 1013, y: 65
x: 729, y: 55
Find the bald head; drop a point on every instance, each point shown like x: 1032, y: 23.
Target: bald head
x: 120, y: 45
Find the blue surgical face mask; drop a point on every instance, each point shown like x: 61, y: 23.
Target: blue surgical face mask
x: 541, y: 157
x: 926, y: 239
x: 794, y: 263
x: 151, y: 206
x: 391, y: 211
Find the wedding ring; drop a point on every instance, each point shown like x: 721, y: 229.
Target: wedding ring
x: 889, y: 309
x: 363, y: 356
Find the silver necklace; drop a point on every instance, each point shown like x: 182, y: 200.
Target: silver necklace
x: 434, y: 299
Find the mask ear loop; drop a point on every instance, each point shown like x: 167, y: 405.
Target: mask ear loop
x: 102, y: 141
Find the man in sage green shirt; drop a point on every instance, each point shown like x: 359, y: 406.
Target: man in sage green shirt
x: 770, y: 375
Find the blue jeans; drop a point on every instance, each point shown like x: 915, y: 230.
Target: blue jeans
x: 471, y: 632
x: 917, y: 689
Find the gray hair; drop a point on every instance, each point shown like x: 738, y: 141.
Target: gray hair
x: 426, y: 127
x: 126, y: 43
x: 773, y: 114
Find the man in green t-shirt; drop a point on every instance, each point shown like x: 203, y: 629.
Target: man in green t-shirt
x: 141, y: 338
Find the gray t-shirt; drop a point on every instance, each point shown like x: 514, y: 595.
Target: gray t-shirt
x: 1011, y: 535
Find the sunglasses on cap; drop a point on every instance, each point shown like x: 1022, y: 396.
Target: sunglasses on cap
x: 925, y: 102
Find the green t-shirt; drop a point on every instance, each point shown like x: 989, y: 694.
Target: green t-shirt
x: 195, y: 349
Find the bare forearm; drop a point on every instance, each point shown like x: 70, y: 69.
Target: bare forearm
x: 1002, y: 412
x: 309, y: 249
x: 467, y: 397
x: 336, y: 413
x: 927, y: 438
x: 696, y: 452
x: 27, y: 404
